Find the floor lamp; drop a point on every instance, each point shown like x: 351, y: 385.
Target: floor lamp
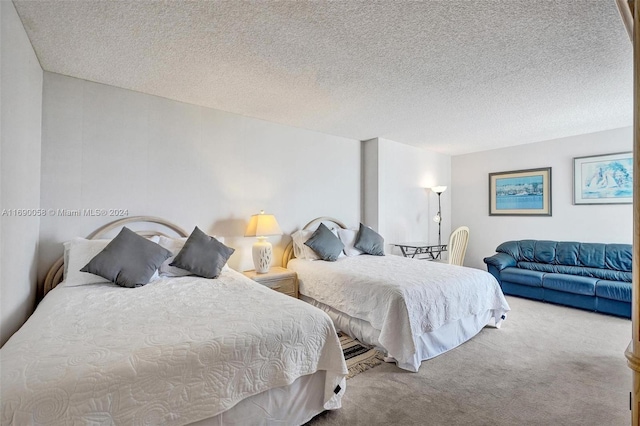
x: 438, y: 217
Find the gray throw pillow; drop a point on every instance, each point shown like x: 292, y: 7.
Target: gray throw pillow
x: 129, y: 260
x: 202, y: 255
x: 369, y: 241
x: 325, y: 243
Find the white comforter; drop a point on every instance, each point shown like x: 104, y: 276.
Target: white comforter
x: 401, y: 297
x: 172, y: 352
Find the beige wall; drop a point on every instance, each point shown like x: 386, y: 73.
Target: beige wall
x: 20, y: 126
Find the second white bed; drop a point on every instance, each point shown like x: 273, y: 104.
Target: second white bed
x: 412, y: 309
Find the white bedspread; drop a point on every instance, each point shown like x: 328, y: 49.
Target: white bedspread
x: 172, y: 352
x: 401, y: 297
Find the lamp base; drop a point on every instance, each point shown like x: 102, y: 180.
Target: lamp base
x: 262, y: 254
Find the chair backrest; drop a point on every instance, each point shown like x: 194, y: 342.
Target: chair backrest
x: 458, y: 245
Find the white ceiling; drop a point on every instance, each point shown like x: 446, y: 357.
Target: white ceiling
x: 451, y: 76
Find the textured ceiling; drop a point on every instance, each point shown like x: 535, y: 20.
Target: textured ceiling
x: 451, y: 76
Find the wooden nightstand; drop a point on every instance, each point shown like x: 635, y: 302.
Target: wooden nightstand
x: 278, y: 279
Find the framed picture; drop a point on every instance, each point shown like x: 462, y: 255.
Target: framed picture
x: 520, y: 193
x: 603, y: 179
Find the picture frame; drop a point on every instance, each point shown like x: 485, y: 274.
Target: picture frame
x: 603, y: 179
x: 520, y: 193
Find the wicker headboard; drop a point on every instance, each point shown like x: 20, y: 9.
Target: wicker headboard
x: 288, y: 251
x: 54, y: 275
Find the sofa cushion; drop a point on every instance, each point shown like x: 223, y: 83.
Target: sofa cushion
x: 618, y: 257
x: 567, y: 253
x: 616, y: 290
x: 591, y: 255
x: 527, y: 250
x: 522, y: 276
x: 570, y: 284
x: 544, y: 251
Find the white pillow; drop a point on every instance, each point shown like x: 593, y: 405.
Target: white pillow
x: 174, y: 245
x: 78, y: 252
x: 348, y: 238
x: 301, y: 250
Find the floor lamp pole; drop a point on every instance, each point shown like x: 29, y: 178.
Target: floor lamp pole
x: 440, y: 220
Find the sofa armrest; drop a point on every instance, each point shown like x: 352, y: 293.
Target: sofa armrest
x: 497, y: 263
x: 500, y: 261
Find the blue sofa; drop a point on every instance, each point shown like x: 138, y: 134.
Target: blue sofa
x: 591, y: 276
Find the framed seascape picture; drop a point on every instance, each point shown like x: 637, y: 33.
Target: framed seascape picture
x: 520, y: 193
x: 603, y: 179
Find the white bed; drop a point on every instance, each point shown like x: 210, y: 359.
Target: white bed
x: 411, y: 309
x: 176, y: 351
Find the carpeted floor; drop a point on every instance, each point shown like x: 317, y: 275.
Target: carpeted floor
x: 547, y: 365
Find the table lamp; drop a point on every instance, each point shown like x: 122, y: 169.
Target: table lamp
x: 438, y: 217
x: 261, y: 226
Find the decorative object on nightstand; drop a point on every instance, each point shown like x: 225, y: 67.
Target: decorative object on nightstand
x: 261, y: 226
x: 277, y: 278
x: 438, y: 217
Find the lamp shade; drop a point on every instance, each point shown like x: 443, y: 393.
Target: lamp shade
x: 439, y: 189
x: 262, y: 225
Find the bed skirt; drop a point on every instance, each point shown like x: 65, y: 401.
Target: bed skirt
x: 295, y: 404
x: 428, y: 345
